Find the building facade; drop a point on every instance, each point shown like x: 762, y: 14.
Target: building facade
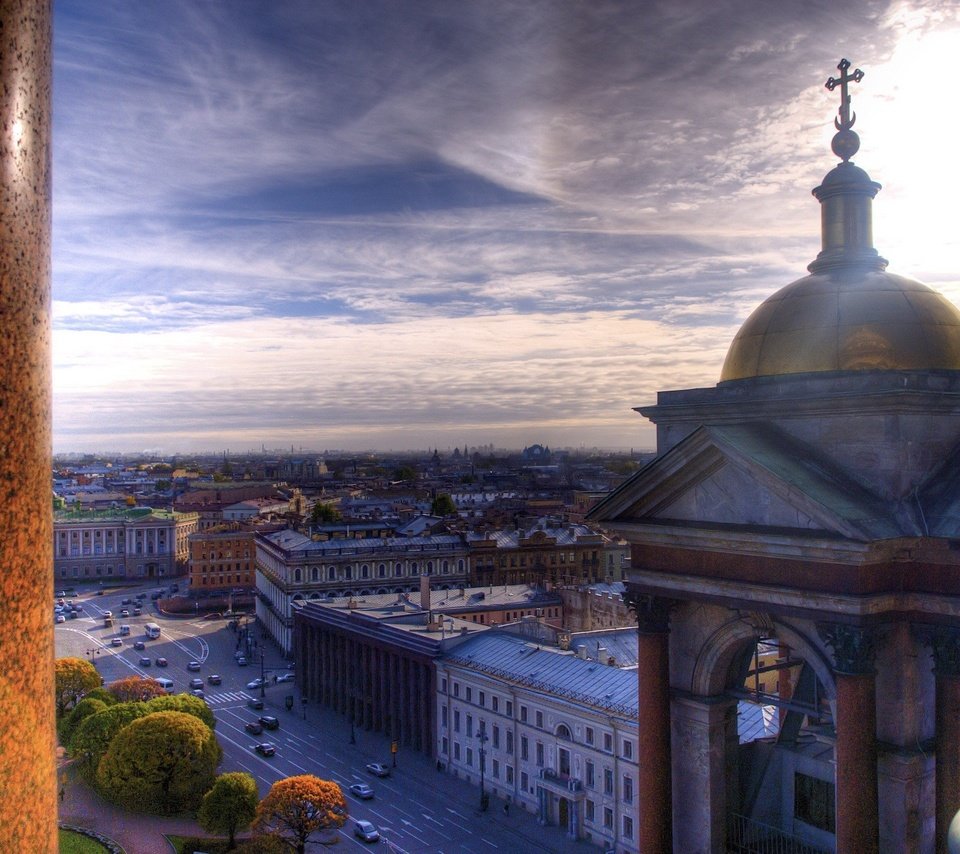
x: 223, y: 558
x: 550, y: 732
x: 131, y: 543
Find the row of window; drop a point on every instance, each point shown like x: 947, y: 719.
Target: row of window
x: 345, y: 572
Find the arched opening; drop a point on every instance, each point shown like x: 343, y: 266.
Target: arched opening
x: 781, y: 767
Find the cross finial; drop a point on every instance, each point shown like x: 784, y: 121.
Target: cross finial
x: 845, y: 143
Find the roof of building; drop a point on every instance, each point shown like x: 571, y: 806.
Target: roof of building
x: 513, y: 659
x: 292, y: 541
x: 113, y: 514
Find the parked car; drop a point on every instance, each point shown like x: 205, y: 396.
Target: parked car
x: 253, y: 727
x: 286, y: 677
x: 378, y: 769
x: 253, y: 684
x: 125, y: 602
x: 161, y: 662
x: 365, y: 831
x: 139, y: 645
x: 72, y: 615
x: 198, y: 692
x: 124, y: 613
x: 362, y: 790
x: 193, y: 666
x: 214, y: 679
x: 60, y: 618
x: 242, y: 661
x: 145, y: 661
x: 196, y: 683
x: 116, y: 641
x: 254, y: 702
x: 265, y: 749
x: 270, y: 722
x: 137, y: 612
x: 141, y: 596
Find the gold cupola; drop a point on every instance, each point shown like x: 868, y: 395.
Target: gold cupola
x: 849, y: 314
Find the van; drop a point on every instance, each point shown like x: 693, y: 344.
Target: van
x: 166, y: 684
x: 124, y: 631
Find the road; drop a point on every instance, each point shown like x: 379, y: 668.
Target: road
x: 416, y: 809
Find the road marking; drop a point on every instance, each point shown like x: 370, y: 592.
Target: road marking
x: 488, y: 842
x: 459, y: 814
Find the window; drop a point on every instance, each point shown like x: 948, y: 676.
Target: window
x: 483, y: 700
x: 456, y: 720
x: 446, y: 746
x: 456, y: 689
x: 813, y: 802
x: 496, y: 769
x: 509, y: 741
x: 443, y: 716
x: 496, y: 703
x: 509, y: 770
x: 627, y: 789
x: 627, y: 749
x: 524, y: 781
x: 589, y: 810
x: 469, y: 694
x: 524, y: 748
x: 588, y: 735
x: 607, y: 781
x: 539, y: 754
x: 590, y: 775
x: 540, y: 720
x: 627, y: 827
x: 509, y: 708
x: 443, y: 685
x: 608, y: 742
x: 456, y: 750
x: 469, y: 724
x: 523, y: 714
x: 496, y: 737
x: 608, y: 818
x: 470, y: 756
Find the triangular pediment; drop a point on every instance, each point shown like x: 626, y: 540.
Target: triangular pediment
x: 749, y: 476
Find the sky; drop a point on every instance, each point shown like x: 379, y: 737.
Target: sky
x: 412, y: 224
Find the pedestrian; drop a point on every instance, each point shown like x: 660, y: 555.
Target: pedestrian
x: 62, y: 793
x: 506, y: 808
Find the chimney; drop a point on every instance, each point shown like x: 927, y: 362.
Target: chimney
x: 425, y: 592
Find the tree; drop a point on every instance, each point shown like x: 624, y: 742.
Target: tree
x: 163, y: 762
x: 73, y: 677
x: 324, y: 514
x: 405, y: 473
x: 299, y: 806
x: 183, y: 703
x: 230, y: 805
x: 102, y: 694
x: 136, y: 688
x: 69, y: 723
x: 271, y: 844
x: 443, y: 505
x: 93, y: 735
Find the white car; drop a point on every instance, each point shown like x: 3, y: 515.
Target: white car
x: 362, y: 790
x: 253, y: 684
x: 286, y: 677
x: 61, y: 618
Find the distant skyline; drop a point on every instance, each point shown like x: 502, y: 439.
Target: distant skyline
x: 416, y: 225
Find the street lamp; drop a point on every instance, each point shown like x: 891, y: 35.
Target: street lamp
x: 482, y: 738
x: 263, y: 678
x: 93, y: 653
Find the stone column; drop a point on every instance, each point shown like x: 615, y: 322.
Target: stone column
x: 654, y: 784
x: 945, y: 642
x: 28, y: 815
x: 858, y: 818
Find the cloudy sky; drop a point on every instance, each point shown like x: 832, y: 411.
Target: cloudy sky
x: 405, y: 224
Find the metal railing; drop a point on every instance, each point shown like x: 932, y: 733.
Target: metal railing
x: 747, y: 836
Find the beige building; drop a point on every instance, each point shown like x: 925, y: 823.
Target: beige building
x: 136, y: 542
x: 223, y: 558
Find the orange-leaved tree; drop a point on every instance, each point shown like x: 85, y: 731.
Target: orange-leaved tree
x: 298, y: 806
x: 73, y: 677
x: 132, y: 689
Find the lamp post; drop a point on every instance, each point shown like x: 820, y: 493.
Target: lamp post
x: 93, y: 653
x: 263, y: 677
x: 482, y: 739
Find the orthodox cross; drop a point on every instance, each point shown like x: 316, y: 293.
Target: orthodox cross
x: 845, y: 121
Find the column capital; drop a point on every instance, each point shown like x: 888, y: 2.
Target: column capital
x: 854, y: 647
x: 652, y: 612
x: 944, y: 641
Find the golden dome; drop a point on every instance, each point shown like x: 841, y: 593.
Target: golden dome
x: 847, y: 319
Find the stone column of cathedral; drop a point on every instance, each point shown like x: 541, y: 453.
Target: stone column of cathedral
x: 946, y: 656
x: 858, y: 817
x: 654, y: 797
x: 28, y: 815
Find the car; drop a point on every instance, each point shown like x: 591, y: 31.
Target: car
x: 378, y: 769
x: 214, y: 679
x: 108, y: 615
x: 137, y: 612
x: 145, y: 661
x: 193, y: 666
x: 100, y: 592
x: 72, y: 615
x: 253, y: 684
x: 124, y: 613
x: 116, y: 641
x: 269, y: 722
x: 362, y: 791
x: 125, y: 602
x: 365, y: 831
x: 60, y: 618
x: 265, y: 748
x: 286, y: 677
x: 253, y: 727
x: 161, y: 662
x: 196, y: 683
x: 77, y: 606
x: 141, y: 596
x: 198, y: 692
x: 139, y: 645
x: 255, y: 703
x: 242, y: 661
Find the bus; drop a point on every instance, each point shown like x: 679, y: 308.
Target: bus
x: 152, y: 630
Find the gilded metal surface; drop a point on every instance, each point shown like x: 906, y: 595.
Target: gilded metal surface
x: 847, y: 320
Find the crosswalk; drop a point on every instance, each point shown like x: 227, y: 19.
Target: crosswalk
x: 226, y: 697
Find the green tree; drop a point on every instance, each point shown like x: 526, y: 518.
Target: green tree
x: 324, y: 514
x: 102, y: 694
x: 230, y: 805
x: 183, y: 703
x: 299, y: 806
x: 73, y: 677
x: 92, y: 738
x: 162, y: 485
x: 69, y: 723
x: 443, y: 505
x: 405, y: 473
x: 163, y: 762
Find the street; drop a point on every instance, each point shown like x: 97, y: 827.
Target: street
x: 416, y: 809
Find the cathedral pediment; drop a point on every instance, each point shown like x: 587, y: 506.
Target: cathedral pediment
x: 750, y: 475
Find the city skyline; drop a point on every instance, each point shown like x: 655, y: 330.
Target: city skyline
x: 371, y: 226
